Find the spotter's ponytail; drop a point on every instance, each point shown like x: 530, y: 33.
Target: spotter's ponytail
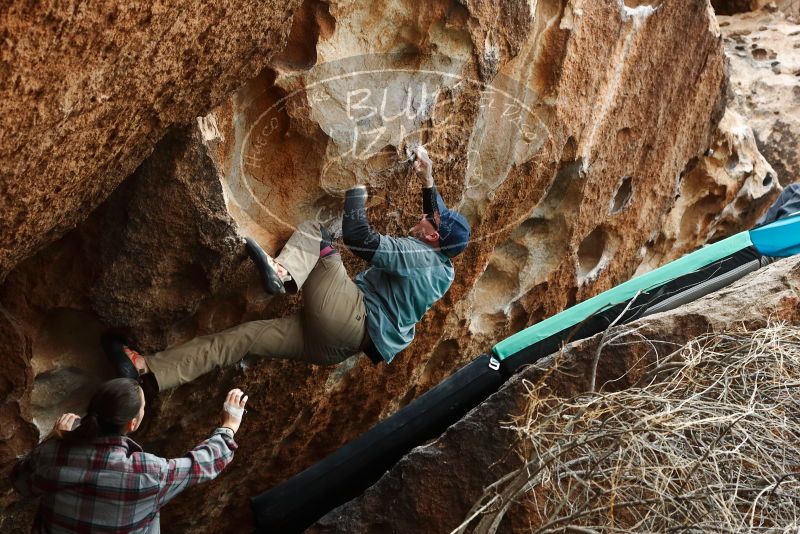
x: 112, y: 407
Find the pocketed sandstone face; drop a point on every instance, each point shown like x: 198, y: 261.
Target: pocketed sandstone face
x: 764, y: 52
x: 615, y: 98
x: 552, y: 194
x: 294, y: 127
x: 722, y: 193
x: 755, y: 147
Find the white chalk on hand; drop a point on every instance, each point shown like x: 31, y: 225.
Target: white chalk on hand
x: 411, y: 151
x: 233, y: 410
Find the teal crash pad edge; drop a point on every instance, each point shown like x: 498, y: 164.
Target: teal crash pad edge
x: 778, y: 239
x: 621, y: 293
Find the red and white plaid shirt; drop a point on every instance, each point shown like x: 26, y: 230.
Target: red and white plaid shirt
x: 112, y: 485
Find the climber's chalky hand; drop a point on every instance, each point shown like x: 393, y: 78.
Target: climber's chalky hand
x: 233, y: 409
x: 423, y: 165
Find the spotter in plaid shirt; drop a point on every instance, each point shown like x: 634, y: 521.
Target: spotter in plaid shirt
x: 106, y: 483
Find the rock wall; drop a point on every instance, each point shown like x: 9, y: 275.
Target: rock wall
x: 89, y: 90
x: 562, y: 129
x: 733, y: 7
x: 433, y: 488
x: 764, y: 52
x: 719, y: 194
x: 756, y: 142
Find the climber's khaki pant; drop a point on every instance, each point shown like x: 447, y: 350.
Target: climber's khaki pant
x: 329, y: 329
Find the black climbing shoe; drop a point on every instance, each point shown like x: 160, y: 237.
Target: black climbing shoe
x: 114, y: 346
x: 266, y: 268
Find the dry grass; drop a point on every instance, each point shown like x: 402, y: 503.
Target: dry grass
x: 707, y: 441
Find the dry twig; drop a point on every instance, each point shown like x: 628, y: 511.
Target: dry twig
x: 707, y: 441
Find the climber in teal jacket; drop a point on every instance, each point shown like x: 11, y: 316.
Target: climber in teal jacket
x: 407, y: 275
x: 376, y: 314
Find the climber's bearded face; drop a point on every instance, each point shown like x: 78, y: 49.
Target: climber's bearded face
x: 426, y: 230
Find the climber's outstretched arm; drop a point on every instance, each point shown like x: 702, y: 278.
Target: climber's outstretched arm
x: 431, y: 199
x: 357, y: 234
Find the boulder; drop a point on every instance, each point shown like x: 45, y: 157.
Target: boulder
x: 561, y: 131
x: 717, y: 195
x: 762, y: 48
x: 89, y: 90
